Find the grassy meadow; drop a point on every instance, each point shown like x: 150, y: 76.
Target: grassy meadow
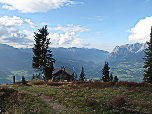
x: 77, y: 97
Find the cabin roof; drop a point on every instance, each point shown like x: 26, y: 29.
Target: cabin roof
x: 65, y: 69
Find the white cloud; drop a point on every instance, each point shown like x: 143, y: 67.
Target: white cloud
x: 107, y: 46
x: 10, y: 31
x: 141, y: 31
x: 15, y: 22
x: 68, y: 36
x: 32, y: 6
x: 11, y: 34
x: 22, y: 39
x: 71, y: 38
x: 70, y: 28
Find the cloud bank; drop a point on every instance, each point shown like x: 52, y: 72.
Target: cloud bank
x: 32, y: 6
x: 69, y: 37
x: 10, y: 31
x: 141, y: 31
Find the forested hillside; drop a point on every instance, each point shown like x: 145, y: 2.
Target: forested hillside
x: 125, y: 61
x: 18, y: 62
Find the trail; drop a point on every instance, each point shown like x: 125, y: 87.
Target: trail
x: 55, y: 106
x: 58, y: 108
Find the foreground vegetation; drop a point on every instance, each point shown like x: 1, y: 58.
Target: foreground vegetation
x: 13, y: 101
x: 80, y: 97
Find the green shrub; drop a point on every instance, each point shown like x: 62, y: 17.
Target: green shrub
x: 39, y: 83
x: 36, y: 82
x: 120, y: 102
x: 55, y: 84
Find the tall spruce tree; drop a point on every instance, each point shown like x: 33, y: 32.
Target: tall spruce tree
x: 148, y: 61
x: 105, y: 73
x: 82, y: 75
x: 42, y: 58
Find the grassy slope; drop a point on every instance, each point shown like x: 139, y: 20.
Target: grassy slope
x: 13, y: 102
x: 92, y: 100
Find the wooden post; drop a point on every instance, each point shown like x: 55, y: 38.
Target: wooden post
x: 13, y: 79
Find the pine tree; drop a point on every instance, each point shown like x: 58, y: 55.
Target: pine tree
x: 33, y: 77
x: 105, y: 73
x: 82, y: 75
x: 42, y: 59
x: 111, y: 77
x: 36, y: 76
x: 148, y: 61
x: 116, y: 79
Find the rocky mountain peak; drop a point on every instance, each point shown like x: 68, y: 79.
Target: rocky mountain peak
x: 127, y: 48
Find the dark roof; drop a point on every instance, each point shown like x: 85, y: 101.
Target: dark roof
x: 66, y: 70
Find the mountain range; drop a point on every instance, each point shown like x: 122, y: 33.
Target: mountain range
x: 125, y: 61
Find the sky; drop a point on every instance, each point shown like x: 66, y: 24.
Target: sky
x: 100, y: 24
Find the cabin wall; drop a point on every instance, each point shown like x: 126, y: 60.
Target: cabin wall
x: 60, y: 74
x: 69, y: 77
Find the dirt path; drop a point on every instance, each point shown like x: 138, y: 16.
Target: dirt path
x: 56, y: 107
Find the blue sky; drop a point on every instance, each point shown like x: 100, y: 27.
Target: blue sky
x: 101, y: 24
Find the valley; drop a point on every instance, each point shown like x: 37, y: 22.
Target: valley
x: 124, y: 61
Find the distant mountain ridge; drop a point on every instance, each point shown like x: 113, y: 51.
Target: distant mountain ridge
x: 127, y: 49
x: 125, y: 61
x: 83, y: 54
x: 18, y: 62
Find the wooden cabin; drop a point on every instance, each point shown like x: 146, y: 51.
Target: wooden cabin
x: 63, y: 74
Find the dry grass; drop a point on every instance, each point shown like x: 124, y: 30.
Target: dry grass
x: 96, y: 97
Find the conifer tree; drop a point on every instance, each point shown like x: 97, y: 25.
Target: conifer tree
x: 33, y: 77
x: 148, y: 61
x: 111, y: 77
x: 42, y: 58
x: 105, y: 73
x: 82, y: 75
x: 116, y: 79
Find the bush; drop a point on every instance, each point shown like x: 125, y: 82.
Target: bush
x: 54, y: 84
x: 79, y: 82
x: 19, y: 83
x: 133, y: 84
x: 39, y: 83
x: 36, y: 82
x: 8, y: 90
x: 5, y: 95
x: 120, y: 102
